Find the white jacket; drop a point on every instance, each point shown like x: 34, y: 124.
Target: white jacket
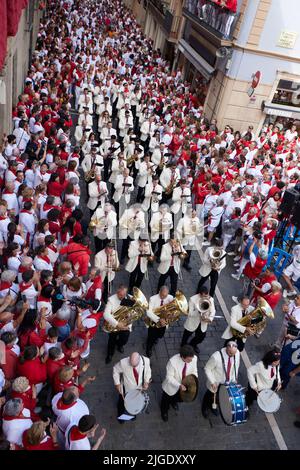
x: 133, y: 255
x: 112, y: 306
x: 188, y: 230
x: 129, y: 226
x: 143, y: 174
x: 205, y: 269
x: 125, y: 370
x: 117, y: 168
x: 236, y: 315
x: 173, y: 378
x: 214, y: 369
x: 166, y: 258
x: 89, y: 161
x: 259, y: 377
x: 155, y: 223
x: 101, y: 263
x: 109, y: 221
x: 151, y: 198
x: 159, y: 155
x: 165, y: 177
x: 194, y: 316
x: 123, y: 190
x: 155, y: 302
x: 124, y: 126
x: 94, y: 193
x: 181, y: 197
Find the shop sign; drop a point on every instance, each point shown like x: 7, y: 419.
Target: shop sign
x: 279, y: 112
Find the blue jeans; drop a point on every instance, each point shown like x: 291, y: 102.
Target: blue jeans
x: 63, y: 332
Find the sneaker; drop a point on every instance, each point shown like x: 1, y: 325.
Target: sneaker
x: 231, y: 253
x: 285, y: 293
x: 236, y: 265
x: 237, y: 258
x: 235, y: 299
x: 206, y: 243
x: 235, y: 276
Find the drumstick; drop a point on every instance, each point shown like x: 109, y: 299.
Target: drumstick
x: 214, y: 405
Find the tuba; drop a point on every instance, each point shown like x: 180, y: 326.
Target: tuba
x: 170, y: 312
x: 126, y: 314
x: 204, y: 309
x: 215, y: 258
x: 255, y: 319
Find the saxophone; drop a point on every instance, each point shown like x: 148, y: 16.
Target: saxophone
x: 90, y: 175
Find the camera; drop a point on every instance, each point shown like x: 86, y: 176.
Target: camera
x: 81, y: 303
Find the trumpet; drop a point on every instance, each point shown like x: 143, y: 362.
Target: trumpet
x: 100, y: 224
x: 145, y: 250
x: 131, y: 160
x: 112, y: 266
x: 177, y: 249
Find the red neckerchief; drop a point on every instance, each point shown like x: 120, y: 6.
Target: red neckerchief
x: 45, y: 258
x: 75, y: 434
x: 24, y: 211
x: 3, y: 217
x: 5, y: 285
x: 6, y: 191
x: 62, y: 406
x: 25, y: 285
x: 52, y: 248
x: 43, y: 299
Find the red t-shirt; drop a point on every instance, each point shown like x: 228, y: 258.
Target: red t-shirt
x: 34, y: 370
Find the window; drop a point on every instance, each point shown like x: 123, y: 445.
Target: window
x: 287, y: 93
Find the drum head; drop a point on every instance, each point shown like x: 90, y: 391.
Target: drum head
x: 268, y: 401
x: 225, y: 405
x: 134, y: 402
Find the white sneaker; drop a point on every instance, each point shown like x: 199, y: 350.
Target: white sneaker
x: 236, y: 265
x: 290, y: 294
x: 235, y: 276
x: 206, y: 243
x: 285, y: 293
x: 231, y: 253
x: 237, y: 258
x: 235, y: 299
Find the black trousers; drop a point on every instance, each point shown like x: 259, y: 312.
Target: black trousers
x: 125, y: 247
x: 207, y: 401
x: 154, y: 334
x: 188, y: 258
x: 121, y: 407
x: 140, y: 194
x: 251, y: 396
x: 118, y: 338
x: 214, y: 276
x: 198, y: 338
x: 135, y: 278
x: 107, y: 168
x: 167, y: 401
x: 159, y: 242
x: 173, y: 277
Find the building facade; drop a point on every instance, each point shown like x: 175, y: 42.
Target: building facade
x: 242, y: 56
x: 19, y: 47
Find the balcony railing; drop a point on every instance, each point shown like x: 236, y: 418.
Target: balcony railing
x: 217, y: 18
x: 160, y: 5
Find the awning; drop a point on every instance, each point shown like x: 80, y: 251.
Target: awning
x: 201, y: 65
x: 275, y: 109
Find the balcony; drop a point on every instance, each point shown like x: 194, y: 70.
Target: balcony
x: 218, y: 21
x: 170, y: 23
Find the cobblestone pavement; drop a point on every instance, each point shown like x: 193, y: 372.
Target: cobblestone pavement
x: 186, y: 429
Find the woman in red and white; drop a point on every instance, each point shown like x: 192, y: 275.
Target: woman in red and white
x: 10, y: 197
x: 42, y: 260
x: 15, y: 420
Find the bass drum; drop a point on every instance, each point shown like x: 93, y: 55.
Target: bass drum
x: 232, y: 404
x: 136, y: 402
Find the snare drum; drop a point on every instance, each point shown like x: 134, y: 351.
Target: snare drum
x: 232, y: 404
x: 136, y: 402
x: 268, y: 401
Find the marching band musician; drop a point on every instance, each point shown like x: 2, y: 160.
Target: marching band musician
x: 85, y: 119
x: 188, y: 230
x: 237, y: 312
x: 264, y: 375
x: 154, y: 333
x: 145, y: 172
x: 181, y: 197
x: 139, y: 254
x: 160, y: 225
x: 131, y: 373
x: 178, y: 367
x: 159, y: 157
x: 109, y: 150
x: 104, y: 222
x: 168, y: 179
x: 85, y: 101
x: 117, y: 167
x: 119, y: 337
x: 107, y: 261
x: 123, y: 188
x: 211, y: 268
x: 153, y: 194
x: 125, y: 123
x: 92, y: 160
x: 221, y: 367
x: 201, y: 312
x: 107, y: 131
x: 97, y: 191
x: 170, y: 263
x: 131, y: 223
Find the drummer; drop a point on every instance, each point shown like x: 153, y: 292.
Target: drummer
x: 264, y: 375
x: 221, y: 367
x: 131, y: 373
x: 178, y: 367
